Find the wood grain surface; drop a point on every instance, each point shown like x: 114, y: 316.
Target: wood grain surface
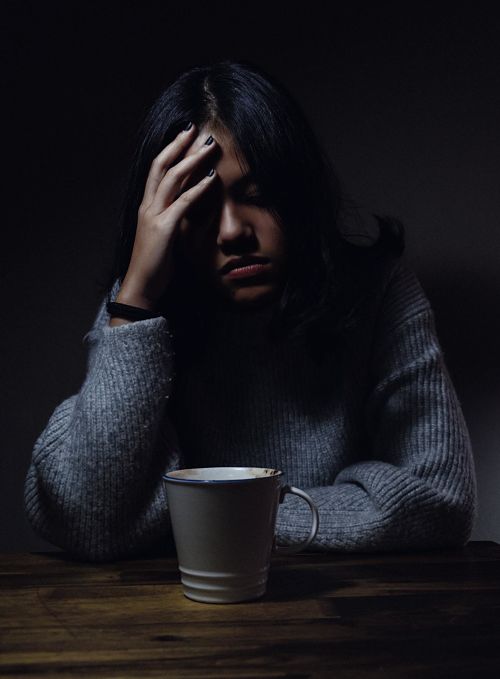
x: 425, y: 615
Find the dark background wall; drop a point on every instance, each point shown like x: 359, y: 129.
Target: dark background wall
x: 405, y: 98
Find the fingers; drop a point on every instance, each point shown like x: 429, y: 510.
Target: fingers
x: 177, y: 177
x: 163, y: 160
x: 164, y: 204
x: 180, y: 206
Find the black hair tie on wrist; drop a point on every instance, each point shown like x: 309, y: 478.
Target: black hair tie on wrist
x: 131, y: 313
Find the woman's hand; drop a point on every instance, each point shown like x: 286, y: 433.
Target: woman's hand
x: 162, y: 209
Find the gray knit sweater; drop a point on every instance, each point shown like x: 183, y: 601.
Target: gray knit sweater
x: 378, y: 439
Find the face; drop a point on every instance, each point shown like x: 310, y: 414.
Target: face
x: 228, y: 222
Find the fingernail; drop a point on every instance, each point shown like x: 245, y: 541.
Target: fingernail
x: 209, y: 174
x: 189, y: 126
x: 209, y: 140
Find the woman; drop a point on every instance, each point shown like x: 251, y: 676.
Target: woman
x: 242, y: 327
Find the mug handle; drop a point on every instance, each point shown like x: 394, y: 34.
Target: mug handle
x: 293, y: 549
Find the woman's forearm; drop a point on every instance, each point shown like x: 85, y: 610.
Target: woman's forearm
x: 95, y: 486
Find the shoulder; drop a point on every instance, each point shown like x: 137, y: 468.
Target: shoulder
x: 389, y: 298
x: 402, y: 296
x: 379, y: 274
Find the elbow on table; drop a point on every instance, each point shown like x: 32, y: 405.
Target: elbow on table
x: 91, y: 544
x: 86, y: 535
x: 434, y: 521
x: 462, y: 520
x: 449, y: 523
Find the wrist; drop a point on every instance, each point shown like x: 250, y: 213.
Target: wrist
x: 116, y: 320
x: 132, y: 298
x: 129, y: 312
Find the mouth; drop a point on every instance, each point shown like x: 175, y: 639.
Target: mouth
x: 247, y: 271
x: 244, y: 266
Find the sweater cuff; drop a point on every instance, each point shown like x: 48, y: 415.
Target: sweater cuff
x: 147, y: 340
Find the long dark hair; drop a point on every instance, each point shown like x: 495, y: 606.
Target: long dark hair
x: 328, y: 276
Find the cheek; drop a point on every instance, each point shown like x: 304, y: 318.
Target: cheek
x: 276, y: 239
x: 269, y: 229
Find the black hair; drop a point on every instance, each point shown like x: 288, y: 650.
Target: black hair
x: 328, y: 276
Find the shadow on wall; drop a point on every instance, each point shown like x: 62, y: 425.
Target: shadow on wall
x: 466, y: 305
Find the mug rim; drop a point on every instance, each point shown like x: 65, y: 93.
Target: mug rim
x: 168, y: 477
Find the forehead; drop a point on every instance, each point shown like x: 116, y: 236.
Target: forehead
x: 228, y: 165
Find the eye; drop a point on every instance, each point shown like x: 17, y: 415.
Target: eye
x: 254, y: 198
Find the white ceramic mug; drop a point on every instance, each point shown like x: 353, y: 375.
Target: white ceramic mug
x: 223, y: 522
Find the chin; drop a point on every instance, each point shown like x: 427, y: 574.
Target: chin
x: 249, y: 297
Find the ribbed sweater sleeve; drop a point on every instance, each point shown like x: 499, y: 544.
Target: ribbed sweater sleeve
x: 415, y: 488
x: 94, y: 486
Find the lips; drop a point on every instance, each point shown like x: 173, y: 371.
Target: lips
x: 239, y: 262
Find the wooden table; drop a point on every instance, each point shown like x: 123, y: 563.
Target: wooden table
x: 425, y: 615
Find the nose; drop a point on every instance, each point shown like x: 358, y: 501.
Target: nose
x: 233, y: 224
